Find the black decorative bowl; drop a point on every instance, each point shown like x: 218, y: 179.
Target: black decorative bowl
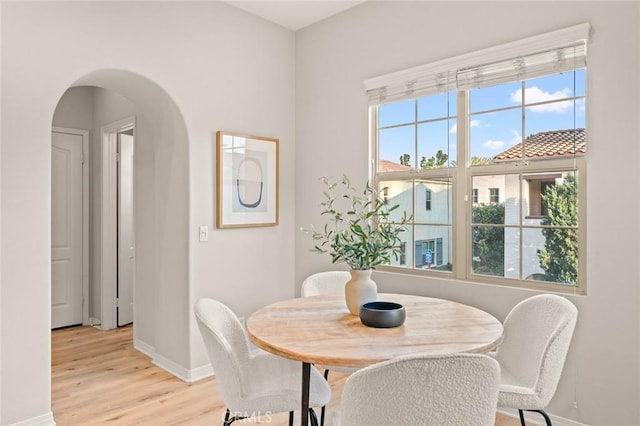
x: 382, y: 314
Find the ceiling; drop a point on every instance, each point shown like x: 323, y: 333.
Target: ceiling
x: 296, y: 14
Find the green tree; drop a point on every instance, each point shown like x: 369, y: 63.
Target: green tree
x: 559, y: 258
x: 434, y: 162
x: 405, y: 160
x: 481, y: 161
x: 476, y: 161
x: 488, y: 241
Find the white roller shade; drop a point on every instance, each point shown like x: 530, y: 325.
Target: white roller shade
x: 549, y: 53
x: 524, y: 67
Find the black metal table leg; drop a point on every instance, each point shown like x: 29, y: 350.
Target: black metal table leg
x: 306, y: 375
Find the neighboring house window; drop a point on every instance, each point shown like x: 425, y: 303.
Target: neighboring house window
x: 429, y: 253
x: 514, y: 131
x: 537, y: 186
x: 494, y: 195
x: 385, y: 195
x: 403, y: 253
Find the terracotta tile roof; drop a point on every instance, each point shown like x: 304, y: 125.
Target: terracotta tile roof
x: 390, y: 166
x: 555, y: 143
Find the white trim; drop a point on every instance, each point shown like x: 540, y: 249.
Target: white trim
x: 144, y: 347
x: 43, y: 420
x: 200, y: 373
x: 184, y: 374
x: 172, y: 367
x: 537, y: 419
x: 85, y: 216
x: 109, y: 226
x: 131, y: 254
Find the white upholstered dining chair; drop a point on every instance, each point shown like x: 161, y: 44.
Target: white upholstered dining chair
x: 325, y: 283
x: 252, y: 383
x: 329, y: 282
x: 537, y: 335
x: 426, y: 390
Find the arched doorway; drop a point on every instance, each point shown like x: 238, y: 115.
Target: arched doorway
x: 161, y: 210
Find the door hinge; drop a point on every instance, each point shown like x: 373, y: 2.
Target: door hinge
x: 116, y: 157
x: 117, y: 303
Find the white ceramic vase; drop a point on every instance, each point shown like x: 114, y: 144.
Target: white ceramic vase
x: 360, y: 289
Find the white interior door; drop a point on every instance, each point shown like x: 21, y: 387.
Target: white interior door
x: 66, y: 230
x: 126, y: 249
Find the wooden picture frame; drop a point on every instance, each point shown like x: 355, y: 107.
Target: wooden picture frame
x: 247, y: 180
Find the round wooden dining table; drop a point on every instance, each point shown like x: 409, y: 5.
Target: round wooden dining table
x: 320, y: 330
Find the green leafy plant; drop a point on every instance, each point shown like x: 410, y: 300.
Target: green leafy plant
x: 488, y: 241
x: 559, y: 258
x: 359, y: 231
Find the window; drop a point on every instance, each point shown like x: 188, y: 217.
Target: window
x: 537, y: 186
x: 385, y: 195
x: 504, y: 143
x: 429, y: 253
x: 494, y: 195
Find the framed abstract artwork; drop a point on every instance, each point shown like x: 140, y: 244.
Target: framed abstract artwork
x: 247, y: 180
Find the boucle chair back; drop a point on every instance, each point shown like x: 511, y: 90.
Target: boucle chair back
x: 537, y: 335
x: 460, y: 389
x: 325, y: 283
x: 227, y: 347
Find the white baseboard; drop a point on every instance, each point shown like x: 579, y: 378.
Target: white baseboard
x: 144, y: 347
x: 184, y: 374
x: 537, y: 419
x: 43, y: 420
x: 172, y: 367
x: 200, y: 373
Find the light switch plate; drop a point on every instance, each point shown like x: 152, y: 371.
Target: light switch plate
x: 203, y: 233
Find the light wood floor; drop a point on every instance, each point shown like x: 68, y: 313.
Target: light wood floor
x: 99, y: 378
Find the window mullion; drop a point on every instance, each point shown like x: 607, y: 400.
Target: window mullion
x: 520, y: 226
x: 461, y: 184
x: 523, y: 124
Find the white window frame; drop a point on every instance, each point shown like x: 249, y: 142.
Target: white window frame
x: 462, y: 176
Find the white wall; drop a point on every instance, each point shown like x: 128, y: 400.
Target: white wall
x: 335, y: 56
x: 189, y: 69
x: 75, y: 109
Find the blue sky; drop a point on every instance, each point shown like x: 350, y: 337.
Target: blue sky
x: 490, y: 132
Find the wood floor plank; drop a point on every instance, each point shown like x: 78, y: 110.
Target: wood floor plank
x: 98, y: 378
